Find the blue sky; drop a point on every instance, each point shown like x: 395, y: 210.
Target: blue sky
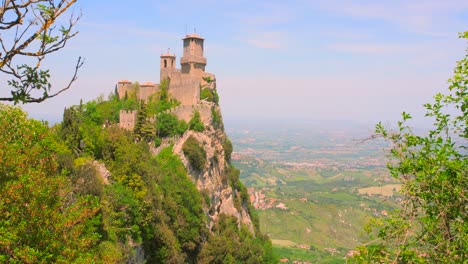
x: 320, y: 60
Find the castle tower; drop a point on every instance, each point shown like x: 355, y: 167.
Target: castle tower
x: 123, y: 87
x: 192, y: 61
x: 168, y: 64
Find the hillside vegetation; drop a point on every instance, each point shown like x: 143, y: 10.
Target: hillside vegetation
x: 86, y: 191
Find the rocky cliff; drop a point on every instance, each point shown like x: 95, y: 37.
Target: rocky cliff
x: 212, y: 179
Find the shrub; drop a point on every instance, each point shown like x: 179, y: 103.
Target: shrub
x: 195, y: 122
x: 194, y: 153
x: 210, y: 95
x: 227, y: 146
x: 157, y: 142
x: 167, y: 125
x: 206, y: 94
x: 216, y: 118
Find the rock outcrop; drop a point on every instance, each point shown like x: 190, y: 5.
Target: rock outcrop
x: 212, y: 179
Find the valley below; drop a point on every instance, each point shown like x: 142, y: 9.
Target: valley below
x: 314, y: 187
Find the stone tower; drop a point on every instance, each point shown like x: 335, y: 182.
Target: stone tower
x: 168, y: 65
x: 123, y: 87
x: 192, y: 61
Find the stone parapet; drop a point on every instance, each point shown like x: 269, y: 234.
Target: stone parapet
x: 192, y: 59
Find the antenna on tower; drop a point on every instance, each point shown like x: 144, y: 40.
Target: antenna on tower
x: 195, y: 30
x: 185, y: 29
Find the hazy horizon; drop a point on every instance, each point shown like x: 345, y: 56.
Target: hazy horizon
x: 324, y: 60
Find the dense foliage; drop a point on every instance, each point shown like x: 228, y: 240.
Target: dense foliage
x: 231, y: 244
x: 59, y: 205
x: 432, y: 225
x: 167, y: 125
x: 41, y: 219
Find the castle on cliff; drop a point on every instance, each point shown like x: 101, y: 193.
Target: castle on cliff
x: 184, y: 83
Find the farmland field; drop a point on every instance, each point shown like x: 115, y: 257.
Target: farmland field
x: 314, y: 189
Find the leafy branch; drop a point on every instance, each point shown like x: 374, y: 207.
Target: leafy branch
x: 29, y: 32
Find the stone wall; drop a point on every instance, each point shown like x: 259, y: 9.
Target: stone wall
x: 186, y: 92
x: 173, y: 74
x: 185, y: 112
x: 128, y: 119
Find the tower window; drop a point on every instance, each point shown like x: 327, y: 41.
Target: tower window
x: 165, y: 63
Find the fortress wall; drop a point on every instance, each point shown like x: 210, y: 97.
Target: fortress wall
x: 186, y: 92
x: 205, y: 113
x: 173, y: 74
x: 185, y: 112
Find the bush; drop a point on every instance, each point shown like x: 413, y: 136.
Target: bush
x: 209, y: 95
x: 206, y: 94
x: 194, y: 153
x: 157, y: 142
x: 216, y: 118
x: 227, y: 146
x: 195, y: 122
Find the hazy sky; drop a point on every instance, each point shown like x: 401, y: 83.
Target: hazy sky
x: 335, y: 60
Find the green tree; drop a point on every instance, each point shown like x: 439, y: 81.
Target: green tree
x: 431, y: 226
x: 71, y: 131
x: 35, y: 30
x: 144, y: 130
x: 167, y: 125
x: 233, y: 244
x: 182, y: 204
x: 41, y: 219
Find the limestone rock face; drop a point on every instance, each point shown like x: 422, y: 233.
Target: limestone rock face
x: 102, y: 171
x: 213, y: 179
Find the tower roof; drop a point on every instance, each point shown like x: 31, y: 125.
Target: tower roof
x: 147, y: 84
x: 125, y: 81
x: 193, y: 36
x: 165, y: 55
